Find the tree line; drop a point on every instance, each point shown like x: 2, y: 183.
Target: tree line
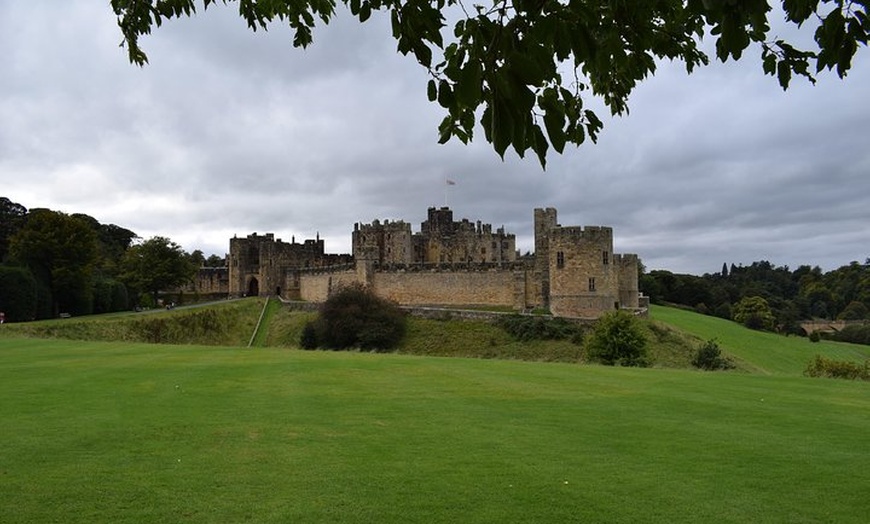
x: 53, y: 263
x: 765, y: 296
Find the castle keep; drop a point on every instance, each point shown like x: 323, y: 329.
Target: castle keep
x: 573, y: 272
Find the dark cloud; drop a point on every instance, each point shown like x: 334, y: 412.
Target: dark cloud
x: 227, y: 132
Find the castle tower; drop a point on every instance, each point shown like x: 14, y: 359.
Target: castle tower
x: 584, y: 281
x: 383, y: 243
x: 629, y: 290
x: 545, y: 221
x: 244, y: 265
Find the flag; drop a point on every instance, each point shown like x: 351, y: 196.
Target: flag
x: 450, y: 182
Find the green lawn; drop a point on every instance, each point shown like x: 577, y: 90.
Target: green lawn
x: 115, y: 432
x: 757, y: 351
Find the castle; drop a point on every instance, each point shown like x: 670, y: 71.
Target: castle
x: 573, y: 272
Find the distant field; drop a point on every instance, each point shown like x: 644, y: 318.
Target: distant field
x: 757, y: 351
x: 120, y: 432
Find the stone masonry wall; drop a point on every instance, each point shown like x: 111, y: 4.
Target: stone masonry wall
x: 491, y: 288
x: 316, y: 287
x: 583, y: 278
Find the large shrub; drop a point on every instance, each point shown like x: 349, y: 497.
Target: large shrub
x: 825, y: 367
x: 709, y: 357
x: 618, y: 340
x: 354, y: 317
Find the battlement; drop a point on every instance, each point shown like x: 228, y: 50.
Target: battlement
x: 376, y: 225
x: 625, y: 259
x: 573, y: 270
x: 592, y: 233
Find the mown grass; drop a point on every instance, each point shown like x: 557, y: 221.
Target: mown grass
x: 757, y: 351
x: 270, y: 309
x: 119, y: 432
x: 673, y: 336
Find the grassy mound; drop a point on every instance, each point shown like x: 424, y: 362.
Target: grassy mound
x: 481, y: 339
x: 223, y: 324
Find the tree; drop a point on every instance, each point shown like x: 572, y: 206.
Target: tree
x: 754, y: 313
x: 12, y: 216
x: 18, y: 294
x: 196, y: 258
x: 60, y: 251
x: 156, y: 265
x: 618, y: 340
x: 529, y: 63
x: 854, y: 311
x: 215, y: 261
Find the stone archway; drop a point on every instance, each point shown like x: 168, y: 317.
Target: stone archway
x: 253, y: 288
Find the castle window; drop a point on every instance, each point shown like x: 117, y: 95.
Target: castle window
x: 591, y: 284
x: 494, y: 245
x: 483, y: 251
x: 560, y: 259
x: 605, y: 257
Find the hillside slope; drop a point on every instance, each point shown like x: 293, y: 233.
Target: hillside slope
x: 758, y: 351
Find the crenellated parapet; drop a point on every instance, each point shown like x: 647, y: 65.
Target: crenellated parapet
x: 574, y: 271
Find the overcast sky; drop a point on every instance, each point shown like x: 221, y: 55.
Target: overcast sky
x: 228, y: 132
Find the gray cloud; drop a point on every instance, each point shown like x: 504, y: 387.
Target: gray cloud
x: 227, y: 132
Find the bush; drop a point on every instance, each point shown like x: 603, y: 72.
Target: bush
x: 815, y: 336
x: 710, y: 357
x: 618, y: 340
x: 356, y: 317
x: 723, y: 310
x: 855, y: 333
x: 828, y: 368
x: 526, y: 328
x: 308, y: 339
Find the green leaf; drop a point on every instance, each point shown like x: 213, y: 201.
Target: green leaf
x: 445, y: 95
x: 468, y: 88
x: 432, y: 90
x: 554, y: 121
x: 502, y: 127
x: 783, y: 74
x: 365, y: 11
x: 769, y: 63
x: 540, y: 146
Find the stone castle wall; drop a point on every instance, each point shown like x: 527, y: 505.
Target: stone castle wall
x: 316, y: 287
x: 574, y: 271
x: 459, y: 288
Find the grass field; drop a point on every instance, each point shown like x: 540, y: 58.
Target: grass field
x: 757, y: 351
x: 123, y: 432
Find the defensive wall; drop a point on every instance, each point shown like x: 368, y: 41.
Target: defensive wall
x: 574, y: 272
